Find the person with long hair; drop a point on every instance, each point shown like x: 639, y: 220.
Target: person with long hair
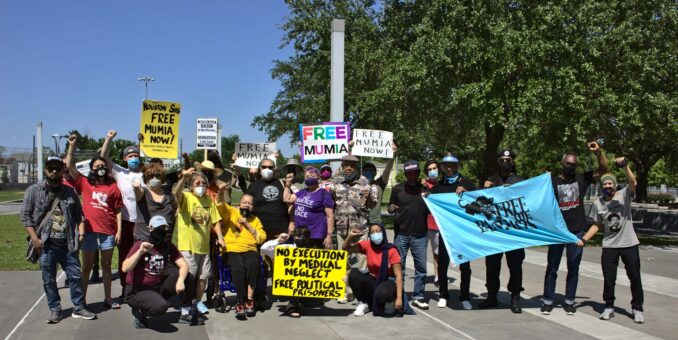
x: 102, y: 204
x: 153, y: 200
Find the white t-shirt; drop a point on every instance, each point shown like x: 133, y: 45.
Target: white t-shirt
x: 125, y: 179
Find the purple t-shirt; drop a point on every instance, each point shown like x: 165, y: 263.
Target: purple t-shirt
x: 309, y: 211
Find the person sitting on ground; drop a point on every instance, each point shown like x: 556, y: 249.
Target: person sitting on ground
x: 243, y: 232
x: 383, y: 283
x: 152, y: 281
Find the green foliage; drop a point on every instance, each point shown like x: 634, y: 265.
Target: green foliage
x: 660, y: 198
x: 87, y: 147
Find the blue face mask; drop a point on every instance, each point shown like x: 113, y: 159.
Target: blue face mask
x: 433, y: 174
x: 133, y: 163
x: 377, y: 238
x: 608, y: 191
x: 349, y: 177
x: 452, y: 179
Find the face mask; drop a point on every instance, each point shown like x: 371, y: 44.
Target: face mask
x: 505, y: 167
x: 311, y: 181
x: 210, y: 176
x: 245, y: 213
x: 266, y: 174
x: 54, y: 182
x: 349, y: 177
x: 133, y: 163
x: 377, y: 238
x: 325, y: 174
x: 433, y: 174
x: 154, y: 182
x: 369, y: 175
x: 569, y: 171
x: 199, y: 191
x: 101, y: 172
x: 452, y: 179
x: 157, y: 236
x: 608, y: 191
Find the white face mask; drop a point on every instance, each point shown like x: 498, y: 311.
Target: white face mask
x: 154, y: 182
x: 266, y: 174
x: 199, y: 191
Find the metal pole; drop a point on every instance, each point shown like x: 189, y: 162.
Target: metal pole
x: 337, y: 75
x: 38, y: 133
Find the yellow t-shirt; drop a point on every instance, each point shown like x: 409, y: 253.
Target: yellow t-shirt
x: 237, y: 240
x: 194, y: 223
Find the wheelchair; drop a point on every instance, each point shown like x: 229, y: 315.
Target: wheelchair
x: 224, y: 281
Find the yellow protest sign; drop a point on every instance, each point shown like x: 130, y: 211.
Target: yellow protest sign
x: 160, y: 127
x: 313, y: 273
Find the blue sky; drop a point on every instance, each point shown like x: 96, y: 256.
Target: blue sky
x: 74, y: 65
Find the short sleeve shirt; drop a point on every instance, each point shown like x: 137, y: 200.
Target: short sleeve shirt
x: 151, y: 266
x: 100, y: 204
x: 411, y: 216
x: 125, y: 180
x: 570, y: 194
x: 615, y: 218
x: 374, y: 257
x: 309, y: 211
x: 269, y: 206
x: 194, y: 223
x: 350, y: 204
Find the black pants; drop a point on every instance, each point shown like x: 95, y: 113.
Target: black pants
x: 313, y: 243
x: 631, y: 259
x: 514, y: 260
x: 365, y: 288
x: 443, y: 263
x: 153, y: 301
x: 245, y: 271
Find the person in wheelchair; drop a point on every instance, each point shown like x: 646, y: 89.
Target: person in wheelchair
x: 243, y: 232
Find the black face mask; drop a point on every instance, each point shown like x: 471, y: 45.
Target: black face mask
x: 101, y: 172
x: 505, y: 167
x: 569, y: 171
x: 157, y: 236
x: 245, y: 213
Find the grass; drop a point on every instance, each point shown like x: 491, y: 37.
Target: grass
x: 11, y: 195
x: 13, y: 244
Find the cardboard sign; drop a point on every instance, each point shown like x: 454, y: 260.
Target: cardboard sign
x: 160, y: 127
x: 250, y: 154
x: 320, y: 143
x: 306, y: 272
x: 207, y: 134
x: 372, y: 143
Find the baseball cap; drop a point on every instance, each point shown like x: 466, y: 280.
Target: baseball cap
x: 130, y: 149
x: 52, y: 159
x: 449, y: 158
x: 157, y: 221
x: 506, y: 153
x: 411, y: 165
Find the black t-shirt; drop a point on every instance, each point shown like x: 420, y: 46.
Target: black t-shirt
x: 498, y: 180
x: 269, y: 206
x: 444, y: 187
x: 570, y: 195
x: 410, y: 218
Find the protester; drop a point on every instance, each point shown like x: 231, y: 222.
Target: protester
x: 514, y: 259
x: 196, y: 217
x: 268, y: 248
x: 431, y: 180
x: 369, y: 171
x: 353, y: 200
x: 269, y: 206
x: 294, y: 171
x: 153, y: 200
x: 52, y: 216
x: 222, y: 175
x: 452, y: 181
x: 102, y: 204
x: 410, y: 227
x: 382, y: 285
x: 125, y: 179
x: 152, y: 281
x: 313, y: 209
x: 243, y: 232
x: 326, y: 177
x: 612, y: 211
x: 570, y: 188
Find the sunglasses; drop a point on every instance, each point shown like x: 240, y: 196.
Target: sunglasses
x: 267, y: 167
x: 55, y: 169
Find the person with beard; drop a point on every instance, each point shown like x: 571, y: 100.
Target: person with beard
x: 102, y: 204
x: 410, y: 227
x: 570, y: 188
x: 125, y: 177
x: 431, y: 180
x: 514, y: 259
x: 269, y: 206
x: 153, y: 200
x: 452, y: 181
x: 151, y: 281
x: 243, y: 233
x: 382, y: 284
x: 52, y: 216
x: 612, y: 212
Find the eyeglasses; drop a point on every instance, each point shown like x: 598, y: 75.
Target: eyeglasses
x: 55, y: 169
x: 267, y: 167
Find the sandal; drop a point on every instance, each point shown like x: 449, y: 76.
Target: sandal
x: 292, y: 311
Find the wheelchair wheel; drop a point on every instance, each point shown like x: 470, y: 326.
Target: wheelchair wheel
x: 219, y: 302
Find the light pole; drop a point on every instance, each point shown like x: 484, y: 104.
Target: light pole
x: 146, y: 80
x: 57, y: 138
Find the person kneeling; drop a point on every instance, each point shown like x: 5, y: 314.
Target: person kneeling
x: 151, y: 281
x: 383, y: 284
x: 242, y: 233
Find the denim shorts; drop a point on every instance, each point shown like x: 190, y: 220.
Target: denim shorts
x: 97, y: 241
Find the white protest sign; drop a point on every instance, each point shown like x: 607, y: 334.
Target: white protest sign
x: 83, y: 167
x: 324, y: 142
x: 207, y: 136
x: 250, y: 154
x: 372, y: 143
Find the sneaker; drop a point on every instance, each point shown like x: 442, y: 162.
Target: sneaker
x: 54, y: 317
x: 489, y: 302
x: 83, y: 313
x: 192, y: 319
x: 546, y: 309
x: 95, y: 278
x: 466, y: 304
x: 249, y: 308
x: 421, y: 304
x: 201, y: 307
x: 361, y: 309
x: 240, y: 311
x: 638, y: 316
x: 515, y: 303
x: 607, y: 314
x: 138, y: 319
x: 342, y: 300
x: 569, y: 308
x: 442, y: 303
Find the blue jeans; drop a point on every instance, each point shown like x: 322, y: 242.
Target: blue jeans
x: 70, y: 263
x: 555, y: 253
x: 418, y: 246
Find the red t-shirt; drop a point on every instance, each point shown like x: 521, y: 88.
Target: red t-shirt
x: 151, y: 266
x: 374, y: 258
x: 430, y: 221
x: 99, y: 205
x: 71, y: 183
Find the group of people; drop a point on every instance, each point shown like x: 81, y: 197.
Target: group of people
x: 140, y: 208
